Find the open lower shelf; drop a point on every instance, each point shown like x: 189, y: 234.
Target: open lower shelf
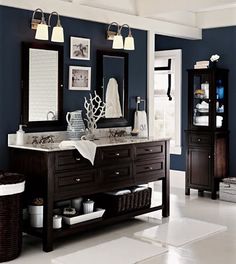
x: 84, y: 226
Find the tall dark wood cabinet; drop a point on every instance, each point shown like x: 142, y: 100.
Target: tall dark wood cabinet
x: 207, y: 134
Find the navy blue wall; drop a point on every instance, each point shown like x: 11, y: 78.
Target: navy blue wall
x: 220, y: 41
x: 15, y: 28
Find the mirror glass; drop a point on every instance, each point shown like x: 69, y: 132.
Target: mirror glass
x: 42, y: 81
x: 43, y: 85
x: 112, y: 78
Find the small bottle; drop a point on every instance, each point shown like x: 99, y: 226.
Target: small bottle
x: 20, y: 136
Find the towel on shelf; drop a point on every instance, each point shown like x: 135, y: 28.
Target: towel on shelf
x: 204, y: 121
x: 202, y: 105
x: 138, y: 188
x: 119, y: 192
x: 85, y: 147
x: 140, y: 123
x: 113, y: 108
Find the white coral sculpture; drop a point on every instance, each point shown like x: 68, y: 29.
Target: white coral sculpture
x: 95, y: 109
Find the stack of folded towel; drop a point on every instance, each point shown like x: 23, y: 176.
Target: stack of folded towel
x: 204, y: 121
x: 127, y: 191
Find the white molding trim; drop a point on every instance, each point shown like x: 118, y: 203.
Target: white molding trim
x: 210, y: 19
x: 177, y: 55
x: 76, y: 10
x: 150, y: 80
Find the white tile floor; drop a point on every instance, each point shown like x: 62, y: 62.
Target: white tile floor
x: 217, y: 249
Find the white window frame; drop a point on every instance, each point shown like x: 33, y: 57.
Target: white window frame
x: 177, y: 56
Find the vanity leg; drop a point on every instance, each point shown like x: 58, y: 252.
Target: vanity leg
x: 166, y: 185
x: 48, y: 207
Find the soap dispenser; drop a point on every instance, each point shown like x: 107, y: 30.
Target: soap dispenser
x: 20, y: 136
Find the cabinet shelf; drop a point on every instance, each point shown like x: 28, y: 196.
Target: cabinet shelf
x: 67, y: 230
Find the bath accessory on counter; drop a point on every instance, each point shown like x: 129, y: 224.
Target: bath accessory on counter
x: 71, y: 220
x: 85, y: 147
x: 75, y: 127
x: 36, y: 215
x: 88, y: 206
x: 20, y: 136
x: 57, y: 222
x: 69, y: 211
x: 140, y: 120
x: 95, y: 109
x: 113, y: 108
x: 76, y: 203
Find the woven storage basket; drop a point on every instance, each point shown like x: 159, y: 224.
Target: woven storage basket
x: 117, y: 204
x: 10, y: 216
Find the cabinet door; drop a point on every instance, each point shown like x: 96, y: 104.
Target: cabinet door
x: 199, y: 167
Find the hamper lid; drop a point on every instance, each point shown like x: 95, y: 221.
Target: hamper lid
x: 11, y: 183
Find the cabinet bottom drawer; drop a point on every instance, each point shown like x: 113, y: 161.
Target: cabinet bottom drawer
x: 73, y: 182
x: 151, y: 170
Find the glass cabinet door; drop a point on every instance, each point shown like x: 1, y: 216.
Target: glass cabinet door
x: 201, y: 100
x: 220, y: 102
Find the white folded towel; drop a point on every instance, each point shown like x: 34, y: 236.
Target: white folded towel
x: 85, y: 147
x: 119, y: 192
x: 140, y: 123
x: 113, y: 108
x: 204, y: 121
x: 138, y: 188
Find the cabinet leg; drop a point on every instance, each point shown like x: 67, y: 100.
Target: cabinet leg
x: 187, y: 191
x: 213, y: 195
x: 165, y: 197
x: 200, y: 193
x: 47, y: 246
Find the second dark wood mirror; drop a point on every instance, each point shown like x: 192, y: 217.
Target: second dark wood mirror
x: 112, y: 86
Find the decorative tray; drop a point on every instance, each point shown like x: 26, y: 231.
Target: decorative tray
x: 71, y: 220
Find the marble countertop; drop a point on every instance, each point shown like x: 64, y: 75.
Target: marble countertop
x: 101, y: 142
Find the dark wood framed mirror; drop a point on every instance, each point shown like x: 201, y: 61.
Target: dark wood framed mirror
x: 42, y: 85
x: 112, y: 86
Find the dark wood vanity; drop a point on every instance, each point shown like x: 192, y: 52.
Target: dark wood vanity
x: 62, y: 175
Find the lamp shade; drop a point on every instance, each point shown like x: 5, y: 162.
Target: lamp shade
x: 129, y: 43
x: 58, y: 34
x: 42, y: 32
x: 118, y: 42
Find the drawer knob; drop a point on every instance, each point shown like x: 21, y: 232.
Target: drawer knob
x: 78, y: 159
x: 149, y: 150
x: 209, y: 156
x: 77, y: 180
x: 117, y: 154
x: 148, y: 168
x: 117, y: 173
x: 198, y: 139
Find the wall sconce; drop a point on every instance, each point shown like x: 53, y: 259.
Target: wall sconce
x: 57, y: 32
x: 118, y: 38
x: 41, y: 27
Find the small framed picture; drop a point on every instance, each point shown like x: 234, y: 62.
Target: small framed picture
x: 79, y: 78
x: 79, y: 48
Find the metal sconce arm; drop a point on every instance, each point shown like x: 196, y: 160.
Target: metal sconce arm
x: 35, y: 22
x: 58, y: 19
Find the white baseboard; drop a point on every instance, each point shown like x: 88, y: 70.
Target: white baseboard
x: 177, y: 179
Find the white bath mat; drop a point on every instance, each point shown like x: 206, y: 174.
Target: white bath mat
x: 120, y: 251
x: 180, y: 232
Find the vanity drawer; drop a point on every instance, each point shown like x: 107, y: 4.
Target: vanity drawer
x: 199, y: 139
x: 70, y: 160
x: 150, y: 150
x: 115, y: 154
x: 73, y: 182
x: 149, y: 170
x: 121, y: 175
